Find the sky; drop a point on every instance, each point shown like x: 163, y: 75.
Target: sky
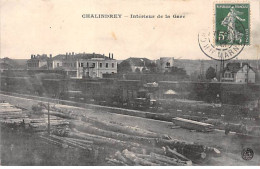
x: 56, y: 27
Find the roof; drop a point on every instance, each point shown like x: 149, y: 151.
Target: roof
x: 232, y: 67
x: 171, y: 92
x: 138, y: 61
x: 40, y: 57
x: 80, y: 56
x: 236, y: 66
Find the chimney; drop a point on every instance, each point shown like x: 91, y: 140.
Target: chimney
x: 109, y: 55
x: 50, y: 56
x: 66, y: 53
x: 31, y: 56
x: 93, y: 54
x: 72, y: 53
x: 34, y: 56
x: 112, y: 56
x: 69, y: 54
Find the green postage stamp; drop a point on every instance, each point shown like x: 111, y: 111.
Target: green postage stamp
x: 232, y: 24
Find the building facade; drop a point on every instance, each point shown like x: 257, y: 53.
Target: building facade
x: 96, y: 67
x: 40, y: 62
x: 85, y: 65
x: 238, y: 73
x: 165, y: 63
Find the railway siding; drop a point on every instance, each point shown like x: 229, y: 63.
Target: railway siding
x: 26, y: 102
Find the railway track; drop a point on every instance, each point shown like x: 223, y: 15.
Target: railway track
x: 136, y: 113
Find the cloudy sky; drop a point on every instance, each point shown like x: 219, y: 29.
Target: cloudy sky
x: 56, y: 26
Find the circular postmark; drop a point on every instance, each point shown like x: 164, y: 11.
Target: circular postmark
x: 247, y: 154
x: 226, y: 49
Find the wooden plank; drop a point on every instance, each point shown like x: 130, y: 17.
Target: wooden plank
x: 192, y: 125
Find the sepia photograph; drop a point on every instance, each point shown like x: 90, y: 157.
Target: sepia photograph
x: 130, y: 83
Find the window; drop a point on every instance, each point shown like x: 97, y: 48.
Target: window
x: 93, y: 64
x: 81, y: 65
x: 58, y: 64
x: 87, y: 64
x: 232, y: 75
x: 113, y: 65
x: 100, y: 64
x: 106, y: 65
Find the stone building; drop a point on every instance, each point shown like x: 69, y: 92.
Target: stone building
x: 85, y: 64
x: 165, y: 63
x: 40, y: 62
x: 96, y: 67
x: 238, y: 73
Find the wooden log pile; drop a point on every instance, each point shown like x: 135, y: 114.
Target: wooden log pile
x: 129, y: 145
x: 136, y: 146
x: 12, y: 117
x: 127, y: 157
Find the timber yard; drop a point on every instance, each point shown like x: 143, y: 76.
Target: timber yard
x: 139, y: 118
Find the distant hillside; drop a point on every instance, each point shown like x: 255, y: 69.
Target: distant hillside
x: 21, y: 62
x: 194, y: 65
x: 13, y: 63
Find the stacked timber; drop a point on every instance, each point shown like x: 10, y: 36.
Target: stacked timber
x: 135, y: 146
x: 38, y: 124
x: 192, y: 117
x: 120, y: 128
x: 58, y: 113
x: 126, y: 145
x: 11, y: 117
x: 127, y: 157
x: 192, y: 125
x: 243, y: 130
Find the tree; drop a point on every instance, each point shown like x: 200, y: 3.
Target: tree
x: 144, y: 69
x: 210, y: 73
x: 124, y: 67
x: 194, y: 76
x: 177, y: 71
x: 152, y: 67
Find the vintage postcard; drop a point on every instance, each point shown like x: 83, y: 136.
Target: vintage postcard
x: 130, y: 83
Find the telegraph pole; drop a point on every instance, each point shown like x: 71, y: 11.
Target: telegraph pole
x: 49, y: 125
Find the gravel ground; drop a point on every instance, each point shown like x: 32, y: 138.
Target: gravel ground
x: 230, y: 146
